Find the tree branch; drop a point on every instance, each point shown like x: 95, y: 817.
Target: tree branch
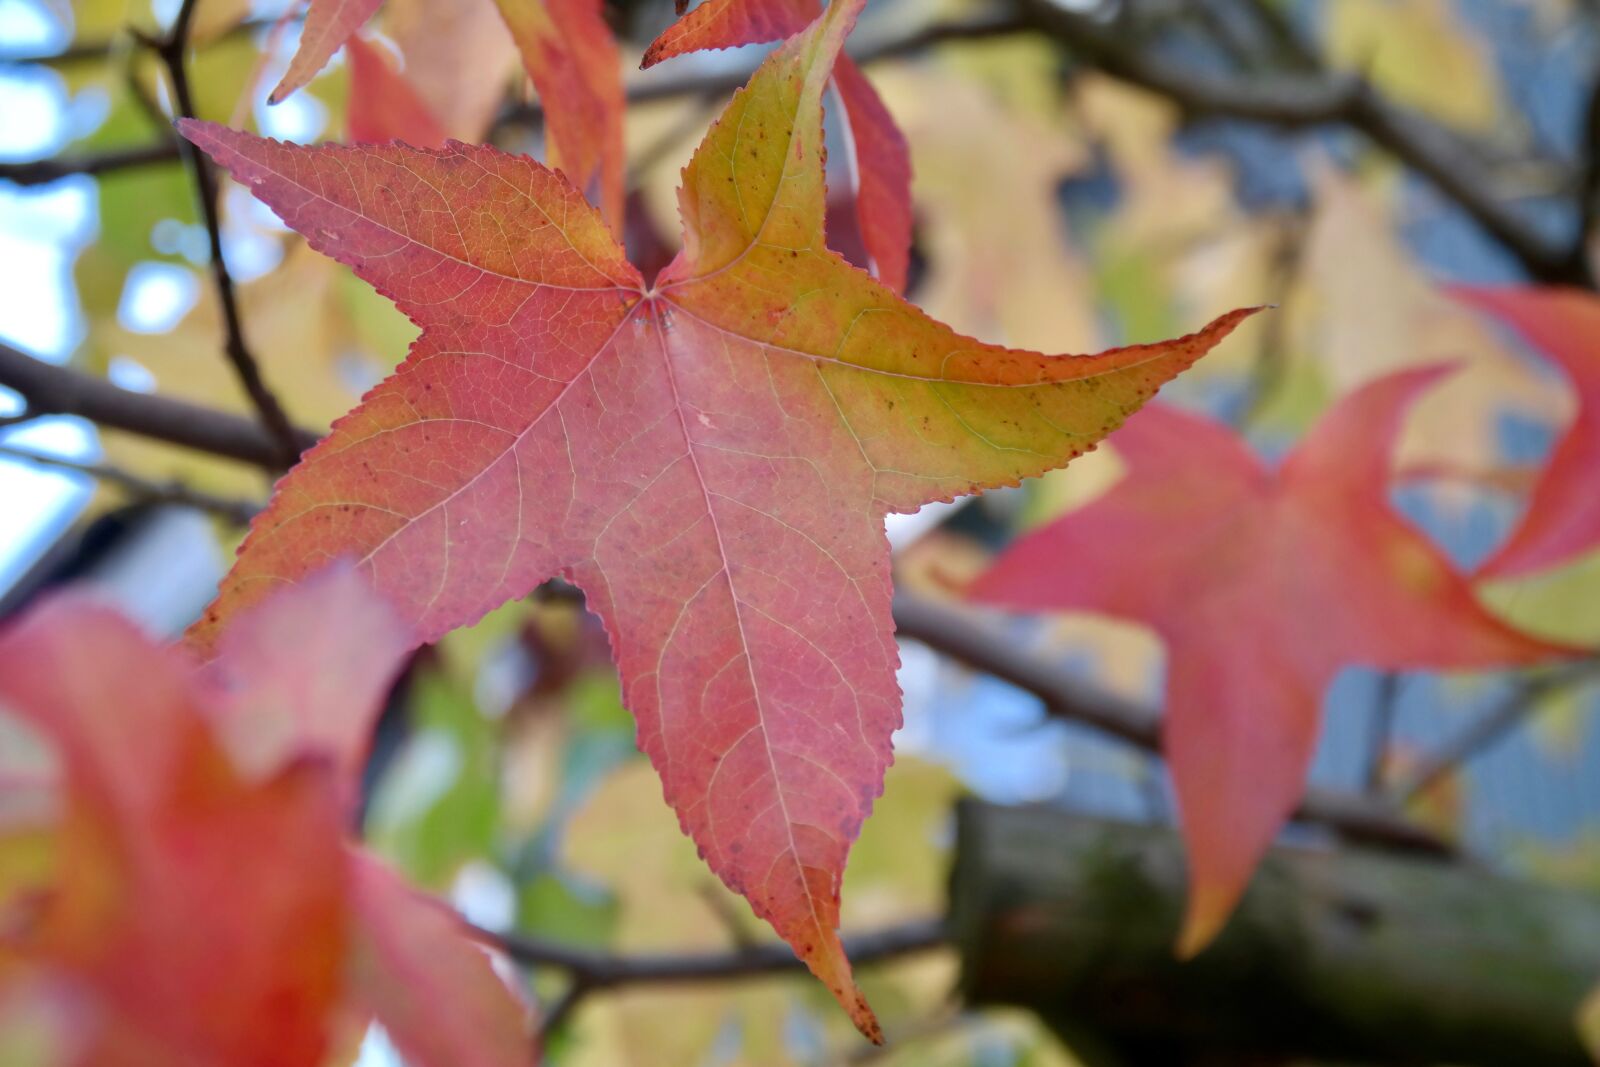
x: 172, y: 52
x: 603, y: 970
x: 51, y: 390
x: 670, y: 82
x: 1492, y: 726
x: 1316, y: 98
x: 42, y: 171
x: 238, y: 512
x: 968, y: 640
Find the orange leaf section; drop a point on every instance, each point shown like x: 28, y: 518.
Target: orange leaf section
x: 204, y: 908
x: 1263, y: 585
x: 382, y: 105
x: 710, y: 458
x: 881, y: 155
x: 329, y: 24
x: 569, y: 52
x: 197, y: 915
x: 1563, y: 515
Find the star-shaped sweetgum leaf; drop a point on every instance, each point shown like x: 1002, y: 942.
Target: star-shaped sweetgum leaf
x: 710, y: 458
x: 1263, y: 584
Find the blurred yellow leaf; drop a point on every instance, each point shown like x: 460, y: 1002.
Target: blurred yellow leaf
x: 1419, y: 52
x: 1589, y: 1023
x: 302, y: 335
x: 628, y: 839
x: 1557, y: 604
x: 1365, y: 308
x: 986, y: 175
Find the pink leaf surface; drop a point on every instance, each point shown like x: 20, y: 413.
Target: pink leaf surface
x: 1562, y: 518
x: 382, y: 105
x: 1263, y: 585
x: 308, y: 674
x: 710, y: 458
x: 433, y: 991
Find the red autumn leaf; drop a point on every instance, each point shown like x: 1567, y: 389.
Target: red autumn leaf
x: 307, y: 674
x: 1563, y: 514
x: 329, y: 24
x: 1263, y: 585
x: 179, y: 862
x: 882, y: 157
x: 710, y: 458
x: 173, y: 867
x: 569, y: 52
x: 382, y: 104
x: 433, y: 990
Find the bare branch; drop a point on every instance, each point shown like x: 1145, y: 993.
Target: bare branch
x: 1383, y: 715
x: 51, y: 390
x: 172, y: 52
x: 238, y: 512
x: 668, y: 82
x: 42, y: 171
x: 603, y: 970
x: 1493, y: 725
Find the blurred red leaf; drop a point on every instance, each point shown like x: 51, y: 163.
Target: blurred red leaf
x: 710, y: 466
x: 1563, y: 515
x: 329, y: 24
x: 569, y: 52
x: 207, y: 910
x: 174, y: 869
x: 382, y: 104
x: 433, y: 990
x: 882, y: 157
x: 1263, y: 584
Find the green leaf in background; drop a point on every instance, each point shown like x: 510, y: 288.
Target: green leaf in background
x: 439, y: 806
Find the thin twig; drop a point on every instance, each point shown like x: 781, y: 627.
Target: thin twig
x: 43, y: 171
x: 605, y: 970
x: 591, y: 971
x: 238, y: 512
x: 1383, y: 715
x: 80, y: 51
x: 1271, y: 354
x: 172, y: 51
x: 1492, y: 726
